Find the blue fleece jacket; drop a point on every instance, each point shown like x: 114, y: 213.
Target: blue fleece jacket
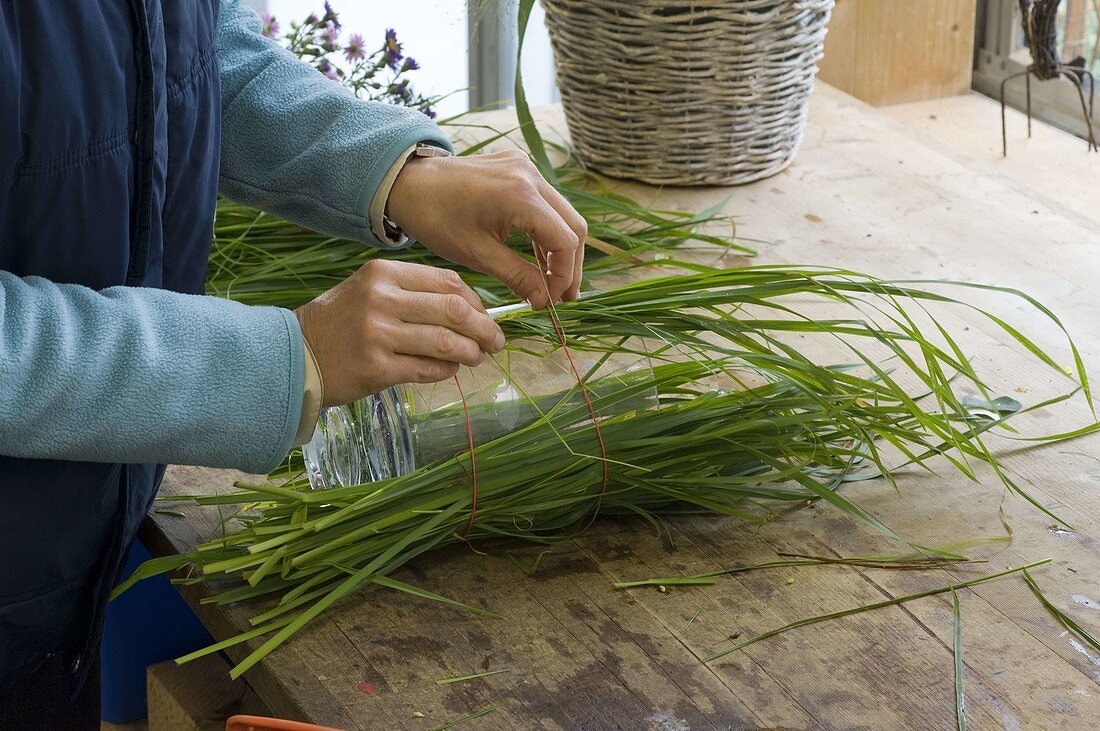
x: 143, y: 375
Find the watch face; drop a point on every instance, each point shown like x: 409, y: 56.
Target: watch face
x: 423, y: 149
x: 393, y: 231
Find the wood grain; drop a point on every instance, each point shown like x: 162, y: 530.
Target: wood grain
x: 865, y: 193
x: 893, y: 51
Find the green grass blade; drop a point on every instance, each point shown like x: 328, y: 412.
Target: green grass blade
x: 960, y: 696
x: 1061, y: 616
x: 475, y: 676
x: 869, y: 607
x: 523, y: 111
x: 425, y: 594
x: 471, y: 716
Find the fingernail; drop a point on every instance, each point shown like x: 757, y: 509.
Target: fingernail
x: 498, y: 342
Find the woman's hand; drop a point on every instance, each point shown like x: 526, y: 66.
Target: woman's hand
x: 391, y: 323
x: 463, y: 209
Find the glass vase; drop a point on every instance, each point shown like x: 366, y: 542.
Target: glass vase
x: 395, y: 431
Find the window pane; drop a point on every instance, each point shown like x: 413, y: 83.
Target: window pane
x: 1078, y: 25
x: 1078, y: 34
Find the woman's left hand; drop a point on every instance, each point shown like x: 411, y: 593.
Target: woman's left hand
x: 464, y: 208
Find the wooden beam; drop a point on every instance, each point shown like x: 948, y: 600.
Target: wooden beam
x: 894, y: 51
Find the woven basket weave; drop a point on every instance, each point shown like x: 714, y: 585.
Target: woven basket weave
x: 706, y: 92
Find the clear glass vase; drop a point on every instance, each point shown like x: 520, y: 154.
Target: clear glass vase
x: 399, y: 429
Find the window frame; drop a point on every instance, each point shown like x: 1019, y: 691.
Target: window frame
x: 1055, y: 102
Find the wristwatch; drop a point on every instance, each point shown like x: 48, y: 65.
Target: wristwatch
x: 422, y: 149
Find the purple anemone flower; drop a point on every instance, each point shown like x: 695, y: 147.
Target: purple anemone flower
x: 329, y: 36
x: 270, y: 26
x: 393, y: 49
x: 328, y: 69
x: 330, y: 15
x: 353, y: 51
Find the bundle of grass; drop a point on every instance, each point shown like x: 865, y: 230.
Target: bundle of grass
x: 259, y: 259
x: 745, y: 420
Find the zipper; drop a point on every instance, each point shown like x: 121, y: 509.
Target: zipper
x: 143, y: 139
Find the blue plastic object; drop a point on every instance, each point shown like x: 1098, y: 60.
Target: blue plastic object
x: 148, y: 624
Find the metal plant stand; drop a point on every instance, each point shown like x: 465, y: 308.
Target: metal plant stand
x: 1039, y: 19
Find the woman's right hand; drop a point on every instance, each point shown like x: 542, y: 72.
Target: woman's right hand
x: 394, y: 322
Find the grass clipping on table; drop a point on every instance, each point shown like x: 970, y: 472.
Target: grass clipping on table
x: 783, y: 428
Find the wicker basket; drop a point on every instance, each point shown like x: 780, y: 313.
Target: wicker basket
x: 707, y: 92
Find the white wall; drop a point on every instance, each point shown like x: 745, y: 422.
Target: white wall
x: 538, y: 61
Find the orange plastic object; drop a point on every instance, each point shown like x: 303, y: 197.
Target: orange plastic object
x: 259, y: 723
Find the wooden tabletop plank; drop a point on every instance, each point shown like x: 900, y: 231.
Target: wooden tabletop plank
x: 1051, y: 165
x: 868, y: 193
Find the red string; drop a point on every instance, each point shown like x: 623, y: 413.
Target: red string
x: 576, y: 374
x: 587, y: 400
x: 473, y: 462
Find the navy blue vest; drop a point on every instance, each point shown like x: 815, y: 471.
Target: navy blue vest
x: 109, y: 138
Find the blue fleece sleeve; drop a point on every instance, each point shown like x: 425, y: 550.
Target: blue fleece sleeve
x: 142, y: 375
x: 298, y: 144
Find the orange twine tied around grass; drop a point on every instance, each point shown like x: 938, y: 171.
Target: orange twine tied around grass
x: 562, y: 341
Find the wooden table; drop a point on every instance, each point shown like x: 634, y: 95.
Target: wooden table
x: 866, y: 193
